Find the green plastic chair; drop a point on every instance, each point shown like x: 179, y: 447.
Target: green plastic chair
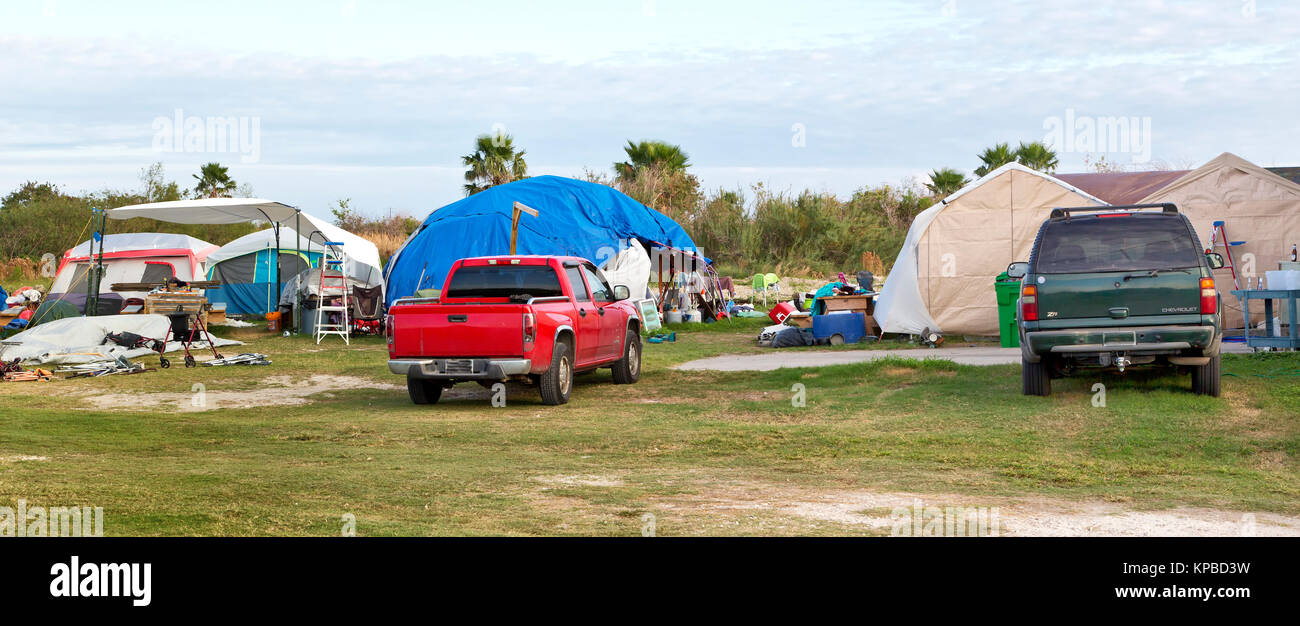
x: 765, y: 283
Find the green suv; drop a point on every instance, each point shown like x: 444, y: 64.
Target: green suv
x: 1118, y: 286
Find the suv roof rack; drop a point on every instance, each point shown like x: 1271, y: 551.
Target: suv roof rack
x: 1064, y: 213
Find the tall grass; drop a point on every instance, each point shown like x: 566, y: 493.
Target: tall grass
x: 796, y: 233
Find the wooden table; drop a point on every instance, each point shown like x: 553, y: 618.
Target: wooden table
x: 861, y: 303
x: 164, y: 302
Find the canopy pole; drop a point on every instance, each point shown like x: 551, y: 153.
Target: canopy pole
x: 297, y: 243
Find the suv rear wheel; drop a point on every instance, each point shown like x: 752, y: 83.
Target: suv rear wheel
x: 1035, y: 378
x: 1207, y: 379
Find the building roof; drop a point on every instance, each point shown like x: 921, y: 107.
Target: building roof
x: 1290, y: 173
x: 1122, y: 187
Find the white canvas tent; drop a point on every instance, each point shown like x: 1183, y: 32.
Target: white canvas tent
x: 943, y: 277
x: 1257, y: 207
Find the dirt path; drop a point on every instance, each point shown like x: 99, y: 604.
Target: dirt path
x: 803, y: 358
x: 896, y: 513
x: 274, y: 391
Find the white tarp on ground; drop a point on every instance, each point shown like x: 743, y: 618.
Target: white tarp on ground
x: 81, y: 339
x: 632, y: 268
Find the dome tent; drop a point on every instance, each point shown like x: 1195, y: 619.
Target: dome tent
x: 943, y: 277
x: 576, y: 218
x: 245, y: 267
x: 129, y: 258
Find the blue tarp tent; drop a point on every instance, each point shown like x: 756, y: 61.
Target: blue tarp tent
x: 576, y: 218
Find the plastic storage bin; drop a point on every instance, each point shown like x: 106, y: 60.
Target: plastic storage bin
x: 840, y: 327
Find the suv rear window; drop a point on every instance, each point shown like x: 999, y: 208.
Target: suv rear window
x: 1116, y: 244
x: 503, y: 281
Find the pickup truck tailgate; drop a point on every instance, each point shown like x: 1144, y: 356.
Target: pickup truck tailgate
x: 466, y: 330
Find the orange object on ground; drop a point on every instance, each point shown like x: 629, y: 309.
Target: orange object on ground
x: 273, y: 321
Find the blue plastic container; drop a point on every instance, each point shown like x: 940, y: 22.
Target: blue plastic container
x: 851, y: 327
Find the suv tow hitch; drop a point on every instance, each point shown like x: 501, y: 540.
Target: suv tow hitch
x: 1122, y: 362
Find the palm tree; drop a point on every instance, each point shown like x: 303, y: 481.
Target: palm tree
x: 651, y: 154
x: 214, y: 182
x: 493, y: 162
x: 1037, y: 156
x: 995, y: 157
x: 946, y: 181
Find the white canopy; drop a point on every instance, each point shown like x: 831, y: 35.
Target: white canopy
x: 236, y: 210
x: 209, y: 211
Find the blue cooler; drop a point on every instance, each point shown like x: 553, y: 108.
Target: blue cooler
x: 850, y: 327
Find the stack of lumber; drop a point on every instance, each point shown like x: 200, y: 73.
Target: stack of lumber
x: 163, y: 303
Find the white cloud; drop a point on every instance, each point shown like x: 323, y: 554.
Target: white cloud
x: 926, y: 91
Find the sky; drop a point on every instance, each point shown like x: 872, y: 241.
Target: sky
x: 376, y: 100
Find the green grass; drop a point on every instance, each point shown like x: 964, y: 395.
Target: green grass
x: 684, y: 446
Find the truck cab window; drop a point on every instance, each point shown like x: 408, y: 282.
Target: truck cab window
x: 579, y: 289
x: 600, y: 290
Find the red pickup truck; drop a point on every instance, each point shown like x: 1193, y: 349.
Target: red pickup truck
x: 541, y: 319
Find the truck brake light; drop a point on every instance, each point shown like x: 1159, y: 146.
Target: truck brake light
x: 1209, y: 297
x: 530, y: 330
x: 1029, y: 303
x: 388, y: 329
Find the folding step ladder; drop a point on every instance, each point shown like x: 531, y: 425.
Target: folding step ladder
x: 333, y: 285
x: 1219, y: 238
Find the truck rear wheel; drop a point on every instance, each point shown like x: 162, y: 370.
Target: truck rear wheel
x: 1207, y: 379
x: 628, y: 369
x: 423, y: 391
x: 1035, y: 378
x: 557, y: 382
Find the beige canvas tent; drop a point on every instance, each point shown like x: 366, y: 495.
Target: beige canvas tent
x: 943, y: 277
x: 1256, y: 206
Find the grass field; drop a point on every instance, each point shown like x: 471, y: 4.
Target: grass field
x: 703, y: 452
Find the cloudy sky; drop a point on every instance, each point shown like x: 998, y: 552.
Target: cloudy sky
x: 376, y: 100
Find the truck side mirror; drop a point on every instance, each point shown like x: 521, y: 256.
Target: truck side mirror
x: 621, y: 292
x: 1017, y: 269
x: 1215, y: 259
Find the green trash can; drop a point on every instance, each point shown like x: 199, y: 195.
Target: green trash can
x: 1008, y: 290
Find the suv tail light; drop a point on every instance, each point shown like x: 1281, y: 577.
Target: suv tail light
x: 1209, y: 297
x: 1029, y: 303
x: 388, y: 329
x: 530, y: 330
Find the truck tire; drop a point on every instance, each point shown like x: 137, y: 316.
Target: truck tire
x: 1035, y: 379
x: 1207, y: 379
x: 627, y: 370
x: 423, y: 391
x: 556, y: 384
